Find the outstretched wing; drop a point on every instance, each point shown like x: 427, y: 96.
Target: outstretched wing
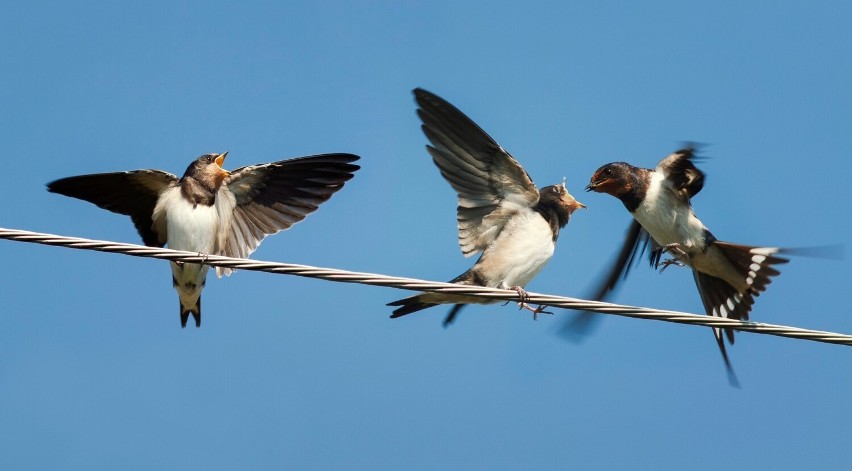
x: 490, y: 183
x: 132, y: 193
x: 260, y: 200
x: 680, y: 169
x: 636, y: 243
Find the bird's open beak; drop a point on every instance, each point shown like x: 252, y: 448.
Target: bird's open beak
x: 221, y: 158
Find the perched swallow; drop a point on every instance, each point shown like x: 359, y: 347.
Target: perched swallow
x: 728, y: 275
x: 501, y: 213
x: 212, y: 211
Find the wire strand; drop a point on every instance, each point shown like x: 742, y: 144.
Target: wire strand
x: 345, y: 276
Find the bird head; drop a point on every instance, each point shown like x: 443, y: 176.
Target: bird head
x: 208, y: 169
x: 613, y: 179
x: 557, y: 196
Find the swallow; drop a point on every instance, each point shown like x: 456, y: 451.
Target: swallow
x: 212, y: 211
x: 728, y: 276
x: 501, y: 213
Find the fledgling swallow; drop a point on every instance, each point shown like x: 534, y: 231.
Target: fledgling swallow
x: 501, y: 213
x: 729, y: 276
x: 212, y: 211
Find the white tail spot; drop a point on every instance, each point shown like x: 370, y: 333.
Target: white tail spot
x: 749, y: 280
x: 731, y: 304
x: 754, y: 267
x: 723, y: 311
x: 758, y: 258
x: 764, y: 250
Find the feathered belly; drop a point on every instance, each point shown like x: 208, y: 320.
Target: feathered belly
x: 672, y: 224
x: 192, y: 229
x: 520, y: 252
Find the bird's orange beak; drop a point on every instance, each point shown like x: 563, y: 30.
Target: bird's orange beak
x: 573, y: 204
x: 221, y: 158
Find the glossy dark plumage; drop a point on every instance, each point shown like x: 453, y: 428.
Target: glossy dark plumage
x: 210, y: 210
x: 501, y: 213
x: 728, y: 276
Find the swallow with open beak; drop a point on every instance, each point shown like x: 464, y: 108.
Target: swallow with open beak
x: 501, y: 213
x: 729, y: 276
x: 212, y: 211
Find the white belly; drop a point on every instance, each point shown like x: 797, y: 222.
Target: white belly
x: 192, y: 229
x: 519, y: 253
x: 667, y: 220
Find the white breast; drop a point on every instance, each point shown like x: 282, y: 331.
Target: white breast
x: 190, y: 228
x: 521, y: 250
x: 667, y: 219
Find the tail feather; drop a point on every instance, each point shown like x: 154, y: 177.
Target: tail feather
x: 451, y: 316
x: 416, y: 303
x: 194, y: 310
x: 754, y: 263
x: 409, y: 305
x: 721, y: 299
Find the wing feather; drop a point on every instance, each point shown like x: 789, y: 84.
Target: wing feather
x: 260, y: 200
x: 491, y: 185
x: 680, y: 169
x: 133, y: 193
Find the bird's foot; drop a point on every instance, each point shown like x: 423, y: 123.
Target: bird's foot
x: 677, y: 254
x: 521, y: 294
x: 535, y: 311
x: 667, y: 263
x: 675, y: 250
x: 523, y: 304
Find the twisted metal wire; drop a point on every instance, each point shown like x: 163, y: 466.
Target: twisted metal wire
x: 345, y: 276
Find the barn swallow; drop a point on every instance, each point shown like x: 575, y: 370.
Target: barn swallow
x: 729, y: 276
x: 212, y: 211
x: 501, y: 213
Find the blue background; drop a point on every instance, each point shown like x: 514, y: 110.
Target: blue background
x: 285, y: 372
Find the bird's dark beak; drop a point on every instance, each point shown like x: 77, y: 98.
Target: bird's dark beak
x: 220, y: 159
x: 594, y: 185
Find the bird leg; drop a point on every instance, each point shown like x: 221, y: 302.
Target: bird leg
x: 672, y: 261
x: 675, y: 250
x: 535, y: 312
x: 523, y: 304
x: 677, y: 253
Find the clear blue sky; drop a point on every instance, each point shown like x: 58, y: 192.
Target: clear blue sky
x: 95, y: 372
